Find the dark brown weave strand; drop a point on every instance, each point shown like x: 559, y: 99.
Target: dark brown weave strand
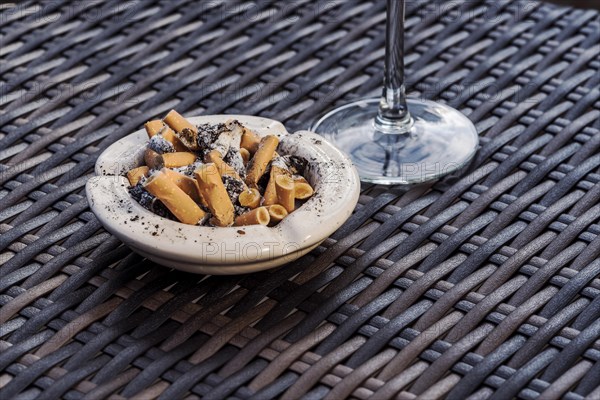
x: 482, y: 287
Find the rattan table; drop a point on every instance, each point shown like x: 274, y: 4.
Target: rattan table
x: 479, y: 286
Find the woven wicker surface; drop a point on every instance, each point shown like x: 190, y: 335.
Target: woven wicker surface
x: 483, y: 287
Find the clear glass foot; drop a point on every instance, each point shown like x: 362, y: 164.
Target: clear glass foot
x: 435, y: 142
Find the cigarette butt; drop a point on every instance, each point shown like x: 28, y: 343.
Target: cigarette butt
x: 302, y: 189
x: 179, y: 203
x: 249, y: 198
x: 250, y: 141
x: 284, y: 185
x: 157, y: 126
x: 185, y: 183
x: 178, y: 159
x: 277, y: 213
x: 215, y: 194
x: 245, y: 155
x: 177, y: 122
x: 169, y: 135
x: 134, y: 175
x: 186, y: 132
x: 261, y: 159
x: 153, y: 160
x: 153, y: 127
x: 224, y: 169
x: 258, y: 216
x: 228, y: 137
x: 270, y: 196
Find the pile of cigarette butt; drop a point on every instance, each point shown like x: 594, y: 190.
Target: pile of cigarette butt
x: 216, y: 174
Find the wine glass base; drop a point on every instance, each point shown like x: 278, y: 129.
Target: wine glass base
x: 440, y: 141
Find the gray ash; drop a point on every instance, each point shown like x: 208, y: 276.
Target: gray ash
x: 149, y: 202
x: 161, y: 210
x: 239, y: 210
x: 187, y: 137
x: 234, y: 159
x: 189, y: 169
x: 204, y: 208
x: 296, y: 164
x: 137, y: 191
x: 207, y: 217
x: 235, y: 122
x: 160, y: 145
x: 208, y: 133
x: 263, y: 181
x: 233, y: 186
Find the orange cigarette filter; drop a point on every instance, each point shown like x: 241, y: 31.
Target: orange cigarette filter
x: 224, y: 169
x: 175, y: 199
x: 178, y: 159
x: 250, y: 141
x: 277, y: 213
x: 178, y: 123
x: 185, y: 183
x: 153, y: 127
x: 157, y: 126
x: 249, y: 198
x: 302, y: 189
x: 284, y: 186
x: 270, y: 196
x: 214, y: 193
x: 261, y: 159
x: 134, y: 175
x: 186, y: 132
x: 245, y: 155
x: 258, y: 216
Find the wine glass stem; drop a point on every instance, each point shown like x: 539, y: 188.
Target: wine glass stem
x: 393, y: 115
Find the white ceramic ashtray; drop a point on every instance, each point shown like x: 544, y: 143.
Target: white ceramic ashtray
x: 227, y: 250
